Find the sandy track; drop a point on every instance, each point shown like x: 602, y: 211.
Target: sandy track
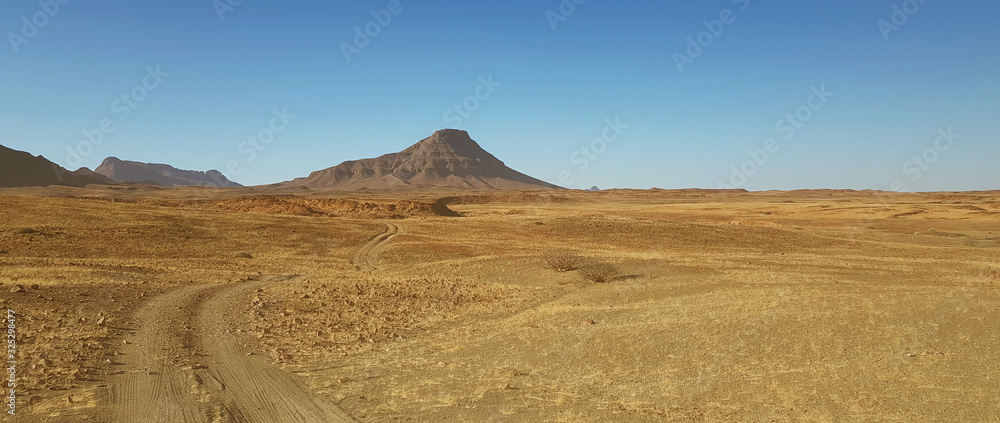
x: 183, y: 363
x: 366, y: 258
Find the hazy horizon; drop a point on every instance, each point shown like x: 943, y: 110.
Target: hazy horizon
x: 893, y: 95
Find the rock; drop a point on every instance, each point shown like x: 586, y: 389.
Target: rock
x: 449, y: 157
x: 117, y: 170
x: 17, y: 289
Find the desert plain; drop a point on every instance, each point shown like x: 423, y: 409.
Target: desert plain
x: 142, y: 303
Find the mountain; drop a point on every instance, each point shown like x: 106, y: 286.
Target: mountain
x: 447, y: 159
x: 119, y: 170
x: 594, y: 189
x: 21, y: 169
x: 87, y: 173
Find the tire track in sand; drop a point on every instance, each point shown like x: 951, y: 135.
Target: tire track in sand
x: 183, y: 363
x: 366, y: 258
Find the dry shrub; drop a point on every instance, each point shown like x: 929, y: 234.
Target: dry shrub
x: 599, y: 272
x: 561, y: 260
x: 244, y: 255
x: 25, y: 231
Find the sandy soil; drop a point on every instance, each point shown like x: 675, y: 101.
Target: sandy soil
x: 143, y: 305
x: 367, y: 256
x: 185, y: 362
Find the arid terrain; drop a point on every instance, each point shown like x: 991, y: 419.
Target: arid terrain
x: 139, y: 303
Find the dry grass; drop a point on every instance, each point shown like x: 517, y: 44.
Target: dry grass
x: 369, y: 313
x: 752, y: 307
x: 561, y: 260
x: 599, y: 272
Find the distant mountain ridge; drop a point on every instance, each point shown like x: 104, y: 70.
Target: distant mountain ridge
x: 125, y: 171
x: 21, y: 169
x: 449, y: 158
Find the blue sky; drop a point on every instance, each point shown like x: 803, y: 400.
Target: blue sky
x: 554, y: 90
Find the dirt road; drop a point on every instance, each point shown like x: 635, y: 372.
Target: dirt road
x: 366, y: 258
x: 184, y: 363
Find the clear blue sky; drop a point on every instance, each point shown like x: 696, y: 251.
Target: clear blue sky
x: 606, y: 60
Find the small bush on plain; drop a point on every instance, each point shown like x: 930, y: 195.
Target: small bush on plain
x: 599, y: 272
x: 561, y: 260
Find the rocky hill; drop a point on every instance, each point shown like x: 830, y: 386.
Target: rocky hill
x: 125, y: 171
x: 447, y: 159
x: 21, y: 169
